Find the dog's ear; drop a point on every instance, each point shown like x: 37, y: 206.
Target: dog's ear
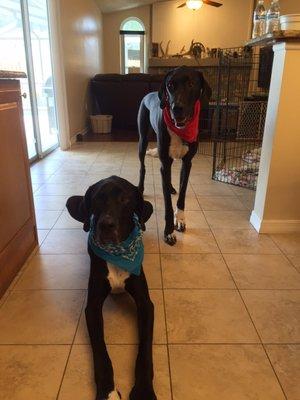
x: 205, y: 91
x: 147, y: 211
x: 162, y: 93
x: 79, y: 207
x: 143, y: 210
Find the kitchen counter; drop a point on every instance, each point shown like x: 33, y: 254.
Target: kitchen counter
x: 18, y: 235
x: 271, y: 38
x: 12, y: 74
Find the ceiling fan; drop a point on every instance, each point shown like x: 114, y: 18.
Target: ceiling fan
x: 197, y: 4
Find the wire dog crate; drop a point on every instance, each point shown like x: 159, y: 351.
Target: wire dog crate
x: 239, y: 115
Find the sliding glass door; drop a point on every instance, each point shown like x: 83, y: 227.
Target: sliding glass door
x: 25, y: 45
x: 42, y: 67
x: 13, y: 57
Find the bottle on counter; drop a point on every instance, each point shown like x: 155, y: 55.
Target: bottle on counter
x: 272, y: 18
x: 259, y: 20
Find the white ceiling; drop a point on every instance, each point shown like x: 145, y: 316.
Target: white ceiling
x: 117, y: 5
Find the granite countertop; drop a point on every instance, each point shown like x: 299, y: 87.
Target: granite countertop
x: 12, y: 74
x: 271, y: 38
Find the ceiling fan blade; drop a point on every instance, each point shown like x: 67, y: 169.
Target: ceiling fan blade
x: 181, y: 5
x: 212, y: 3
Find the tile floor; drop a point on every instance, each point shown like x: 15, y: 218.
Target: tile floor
x: 227, y: 301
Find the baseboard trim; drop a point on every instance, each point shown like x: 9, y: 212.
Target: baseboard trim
x: 73, y: 138
x: 255, y: 221
x: 274, y: 225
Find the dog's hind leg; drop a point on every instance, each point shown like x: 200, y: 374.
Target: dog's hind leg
x: 98, y: 290
x: 179, y: 222
x: 143, y: 127
x: 137, y: 287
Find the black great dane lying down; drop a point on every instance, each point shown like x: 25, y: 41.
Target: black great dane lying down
x: 173, y: 113
x: 114, y: 213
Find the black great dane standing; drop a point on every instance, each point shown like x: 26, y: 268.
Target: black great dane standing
x: 173, y: 113
x: 113, y: 212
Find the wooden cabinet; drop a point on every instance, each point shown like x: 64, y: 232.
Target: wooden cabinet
x: 18, y: 236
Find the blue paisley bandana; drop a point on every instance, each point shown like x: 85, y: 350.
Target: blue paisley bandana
x: 127, y: 255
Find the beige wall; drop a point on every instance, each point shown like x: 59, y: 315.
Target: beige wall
x: 287, y: 6
x: 226, y: 26
x: 111, y: 24
x: 209, y: 25
x: 82, y: 30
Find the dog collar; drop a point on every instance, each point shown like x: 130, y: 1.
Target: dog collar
x: 190, y: 132
x: 127, y: 255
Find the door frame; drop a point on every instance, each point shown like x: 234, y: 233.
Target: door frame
x: 31, y: 78
x: 59, y: 79
x: 59, y: 85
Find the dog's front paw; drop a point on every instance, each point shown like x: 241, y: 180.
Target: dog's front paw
x: 180, y: 226
x: 142, y: 393
x: 114, y: 395
x: 170, y: 239
x: 179, y: 221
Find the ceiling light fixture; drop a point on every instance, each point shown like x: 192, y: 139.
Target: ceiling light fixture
x: 194, y: 4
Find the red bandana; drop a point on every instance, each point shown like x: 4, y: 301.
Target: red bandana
x: 190, y: 132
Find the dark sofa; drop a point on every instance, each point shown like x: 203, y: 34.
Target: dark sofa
x: 120, y: 96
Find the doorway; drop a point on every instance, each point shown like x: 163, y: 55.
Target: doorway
x: 25, y: 46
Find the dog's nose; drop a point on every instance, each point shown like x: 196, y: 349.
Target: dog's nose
x: 107, y: 222
x: 177, y: 110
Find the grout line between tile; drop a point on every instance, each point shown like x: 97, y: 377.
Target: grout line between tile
x: 251, y: 319
x: 128, y: 151
x: 161, y: 344
x: 71, y: 347
x: 164, y: 303
x: 284, y: 254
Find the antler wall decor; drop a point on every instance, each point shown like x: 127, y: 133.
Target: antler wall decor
x: 164, y: 53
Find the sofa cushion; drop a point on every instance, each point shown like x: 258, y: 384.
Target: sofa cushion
x: 120, y: 98
x: 121, y: 95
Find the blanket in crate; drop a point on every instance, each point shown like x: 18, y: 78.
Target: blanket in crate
x: 245, y: 175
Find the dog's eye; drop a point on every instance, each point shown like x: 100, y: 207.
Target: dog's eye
x: 124, y: 200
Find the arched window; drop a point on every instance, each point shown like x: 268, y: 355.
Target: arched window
x: 132, y: 35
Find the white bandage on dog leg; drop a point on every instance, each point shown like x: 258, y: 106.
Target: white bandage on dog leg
x: 152, y: 152
x: 179, y: 220
x: 114, y: 396
x: 179, y: 215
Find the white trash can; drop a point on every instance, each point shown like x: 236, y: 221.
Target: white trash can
x: 101, y: 123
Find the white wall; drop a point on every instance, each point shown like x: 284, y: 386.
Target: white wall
x: 111, y: 24
x: 287, y: 6
x: 277, y: 200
